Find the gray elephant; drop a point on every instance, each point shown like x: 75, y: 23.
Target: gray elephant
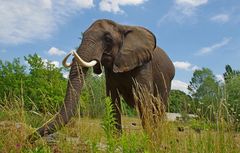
x: 128, y: 54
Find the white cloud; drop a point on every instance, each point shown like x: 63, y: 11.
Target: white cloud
x: 55, y: 63
x: 220, y: 77
x: 188, y: 7
x: 25, y: 21
x: 114, y: 6
x: 191, y: 3
x: 184, y: 65
x: 195, y: 67
x: 65, y: 74
x: 209, y: 49
x: 182, y: 10
x: 47, y: 4
x: 56, y: 51
x: 220, y: 18
x: 179, y: 85
x: 84, y: 3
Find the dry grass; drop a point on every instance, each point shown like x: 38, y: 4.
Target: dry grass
x: 87, y: 135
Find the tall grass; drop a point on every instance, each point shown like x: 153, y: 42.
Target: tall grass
x: 98, y: 135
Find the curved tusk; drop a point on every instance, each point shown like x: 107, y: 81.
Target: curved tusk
x: 64, y: 62
x: 84, y: 63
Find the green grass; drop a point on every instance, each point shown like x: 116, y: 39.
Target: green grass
x: 98, y: 135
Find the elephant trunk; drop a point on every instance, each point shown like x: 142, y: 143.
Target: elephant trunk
x: 68, y: 109
x: 75, y: 84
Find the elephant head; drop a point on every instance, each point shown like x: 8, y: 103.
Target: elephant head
x: 119, y: 48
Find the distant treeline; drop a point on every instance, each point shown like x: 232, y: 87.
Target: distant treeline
x: 208, y: 96
x: 40, y: 86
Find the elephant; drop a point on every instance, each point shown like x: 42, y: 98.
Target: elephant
x: 127, y: 54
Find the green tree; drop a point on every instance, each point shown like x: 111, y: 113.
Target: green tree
x: 41, y: 88
x: 232, y: 86
x: 203, y: 83
x: 233, y: 96
x: 180, y: 102
x: 206, y: 92
x: 12, y: 77
x: 46, y: 85
x: 230, y: 73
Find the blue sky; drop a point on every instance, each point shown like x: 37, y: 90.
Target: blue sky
x: 194, y: 33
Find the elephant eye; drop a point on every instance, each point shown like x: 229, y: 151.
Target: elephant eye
x: 108, y: 39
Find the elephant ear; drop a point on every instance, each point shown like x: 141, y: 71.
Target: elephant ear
x: 138, y: 45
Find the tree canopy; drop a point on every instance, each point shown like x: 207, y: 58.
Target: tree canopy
x: 40, y: 85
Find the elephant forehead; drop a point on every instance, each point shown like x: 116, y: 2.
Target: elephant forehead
x: 103, y: 25
x: 93, y: 34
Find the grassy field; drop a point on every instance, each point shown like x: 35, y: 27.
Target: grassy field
x: 90, y: 135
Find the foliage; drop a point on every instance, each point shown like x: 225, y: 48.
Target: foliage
x: 109, y: 125
x: 199, y: 125
x: 230, y: 73
x: 93, y: 96
x: 233, y: 97
x: 180, y: 102
x: 12, y: 76
x: 45, y: 85
x: 109, y: 122
x: 209, y: 94
x: 127, y: 110
x: 232, y: 87
x: 41, y: 87
x: 134, y: 142
x: 41, y: 149
x: 203, y: 85
x: 206, y: 92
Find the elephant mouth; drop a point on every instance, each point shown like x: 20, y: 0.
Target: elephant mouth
x: 107, y: 60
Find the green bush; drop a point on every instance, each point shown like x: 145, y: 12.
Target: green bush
x: 41, y: 87
x: 180, y: 102
x: 233, y: 98
x: 93, y: 96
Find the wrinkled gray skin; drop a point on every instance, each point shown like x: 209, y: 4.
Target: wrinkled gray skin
x: 127, y: 53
